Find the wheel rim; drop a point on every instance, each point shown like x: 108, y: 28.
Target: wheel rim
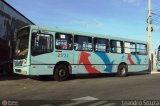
x: 122, y: 71
x: 62, y: 72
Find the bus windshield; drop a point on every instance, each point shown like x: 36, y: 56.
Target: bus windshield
x: 22, y: 43
x: 158, y: 55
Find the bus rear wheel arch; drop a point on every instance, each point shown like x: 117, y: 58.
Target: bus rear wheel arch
x: 62, y: 71
x: 122, y: 70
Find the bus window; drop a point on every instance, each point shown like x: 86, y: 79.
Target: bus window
x: 63, y: 41
x: 101, y: 45
x: 116, y: 46
x: 127, y: 47
x: 83, y: 43
x: 41, y: 43
x: 141, y: 49
x: 133, y: 48
x: 130, y: 47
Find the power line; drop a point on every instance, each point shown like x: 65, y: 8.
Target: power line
x: 155, y: 17
x: 155, y: 9
x: 155, y: 14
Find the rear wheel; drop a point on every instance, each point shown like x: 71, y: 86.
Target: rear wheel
x: 61, y: 73
x: 122, y: 70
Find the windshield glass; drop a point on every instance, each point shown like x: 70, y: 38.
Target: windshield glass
x: 22, y: 43
x: 158, y: 55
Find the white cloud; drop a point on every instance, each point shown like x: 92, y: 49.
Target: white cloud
x: 133, y: 2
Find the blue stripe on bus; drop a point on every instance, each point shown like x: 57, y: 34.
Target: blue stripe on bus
x: 106, y: 60
x: 138, y: 59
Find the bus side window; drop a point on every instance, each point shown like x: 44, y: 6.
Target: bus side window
x: 141, y: 49
x: 101, y: 45
x: 76, y: 45
x: 116, y: 46
x: 83, y: 43
x: 41, y: 43
x: 133, y: 48
x: 129, y: 47
x: 63, y: 41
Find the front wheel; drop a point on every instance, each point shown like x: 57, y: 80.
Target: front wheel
x: 122, y: 70
x: 61, y: 73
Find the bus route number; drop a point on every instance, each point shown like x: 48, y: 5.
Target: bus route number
x: 63, y: 55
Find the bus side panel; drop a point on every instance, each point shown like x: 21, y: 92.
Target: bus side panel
x: 92, y: 62
x: 134, y: 62
x: 140, y: 63
x: 98, y: 62
x: 42, y: 64
x: 79, y: 65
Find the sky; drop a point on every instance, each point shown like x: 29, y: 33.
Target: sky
x: 121, y: 18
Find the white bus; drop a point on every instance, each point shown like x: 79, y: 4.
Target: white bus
x: 59, y: 52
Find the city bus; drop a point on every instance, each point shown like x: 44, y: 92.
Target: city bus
x: 158, y: 59
x: 61, y: 53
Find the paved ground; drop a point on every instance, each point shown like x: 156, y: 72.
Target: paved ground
x: 133, y: 87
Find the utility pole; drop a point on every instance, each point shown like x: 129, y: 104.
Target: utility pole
x: 149, y: 34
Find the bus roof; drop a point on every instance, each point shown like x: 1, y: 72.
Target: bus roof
x: 58, y: 29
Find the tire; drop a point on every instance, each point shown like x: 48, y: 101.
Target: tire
x: 61, y: 73
x: 122, y: 70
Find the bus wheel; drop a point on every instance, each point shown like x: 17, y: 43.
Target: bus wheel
x: 61, y: 73
x: 122, y: 70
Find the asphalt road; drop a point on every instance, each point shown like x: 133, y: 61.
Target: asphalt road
x: 133, y: 87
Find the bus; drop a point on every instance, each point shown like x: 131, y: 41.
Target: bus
x: 158, y: 59
x: 61, y: 53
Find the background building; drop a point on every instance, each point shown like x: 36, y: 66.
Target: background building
x: 10, y: 21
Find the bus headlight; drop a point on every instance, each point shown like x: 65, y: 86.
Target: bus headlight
x: 24, y: 62
x: 23, y: 72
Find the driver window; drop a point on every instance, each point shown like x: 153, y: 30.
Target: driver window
x: 41, y: 43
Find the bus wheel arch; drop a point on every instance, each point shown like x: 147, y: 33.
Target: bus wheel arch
x: 122, y: 70
x: 62, y: 71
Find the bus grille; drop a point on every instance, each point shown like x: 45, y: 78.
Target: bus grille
x: 18, y: 63
x: 17, y: 70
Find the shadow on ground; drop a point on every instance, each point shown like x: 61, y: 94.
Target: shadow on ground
x: 138, y: 73
x: 87, y: 76
x: 4, y: 77
x: 90, y: 76
x: 73, y: 77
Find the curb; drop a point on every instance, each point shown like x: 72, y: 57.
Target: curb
x: 155, y: 72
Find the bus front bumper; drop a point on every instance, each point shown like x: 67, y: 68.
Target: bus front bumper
x: 23, y: 70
